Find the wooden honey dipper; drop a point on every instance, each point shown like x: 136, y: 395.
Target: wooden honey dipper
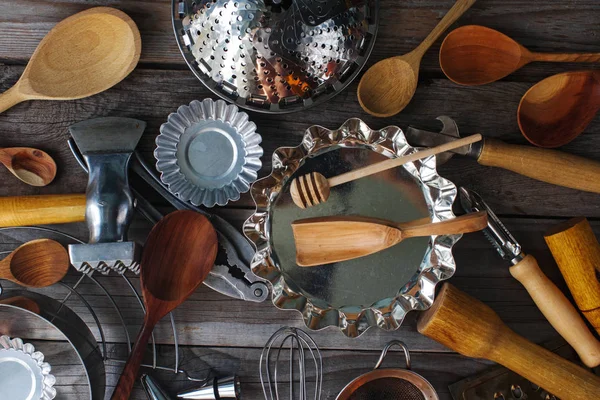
x: 313, y: 188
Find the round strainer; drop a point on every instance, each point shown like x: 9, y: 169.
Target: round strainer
x: 275, y: 55
x: 389, y: 384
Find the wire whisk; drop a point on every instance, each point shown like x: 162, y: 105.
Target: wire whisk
x: 304, y: 355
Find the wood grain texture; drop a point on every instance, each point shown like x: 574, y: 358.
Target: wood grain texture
x: 558, y: 109
x: 387, y: 87
x: 471, y: 328
x: 178, y: 255
x: 32, y: 166
x: 577, y: 253
x: 43, y: 209
x: 476, y: 55
x: 326, y: 240
x: 82, y: 55
x: 557, y: 309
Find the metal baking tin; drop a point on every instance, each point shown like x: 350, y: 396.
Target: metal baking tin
x: 375, y: 291
x: 279, y: 56
x: 208, y: 152
x: 24, y: 375
x: 56, y: 322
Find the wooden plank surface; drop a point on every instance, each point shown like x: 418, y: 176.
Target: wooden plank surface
x: 209, y: 325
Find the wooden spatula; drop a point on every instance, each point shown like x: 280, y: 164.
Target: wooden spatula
x: 325, y: 240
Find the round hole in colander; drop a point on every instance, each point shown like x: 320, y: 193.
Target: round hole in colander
x: 278, y: 55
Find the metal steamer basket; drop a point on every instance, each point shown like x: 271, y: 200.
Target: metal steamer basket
x: 374, y: 291
x: 275, y: 56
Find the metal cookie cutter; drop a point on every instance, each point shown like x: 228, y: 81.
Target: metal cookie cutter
x: 231, y: 275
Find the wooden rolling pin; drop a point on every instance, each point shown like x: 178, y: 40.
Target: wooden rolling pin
x: 469, y: 327
x: 41, y: 210
x: 577, y: 253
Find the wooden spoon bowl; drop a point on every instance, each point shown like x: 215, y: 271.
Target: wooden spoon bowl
x: 38, y: 263
x: 82, y: 55
x: 558, y: 109
x: 178, y: 255
x: 32, y: 166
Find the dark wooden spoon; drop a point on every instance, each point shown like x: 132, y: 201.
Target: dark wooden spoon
x: 476, y: 55
x: 32, y: 166
x: 38, y: 263
x: 178, y: 255
x: 559, y: 108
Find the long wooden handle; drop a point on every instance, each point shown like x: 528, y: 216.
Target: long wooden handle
x: 567, y: 57
x: 466, y: 325
x: 577, y: 253
x: 545, y: 165
x: 43, y: 209
x: 129, y: 374
x: 10, y: 98
x: 467, y: 223
x: 558, y: 310
x: 396, y: 162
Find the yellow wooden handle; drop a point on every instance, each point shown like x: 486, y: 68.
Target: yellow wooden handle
x: 10, y: 97
x: 41, y: 210
x: 545, y: 165
x: 558, y: 310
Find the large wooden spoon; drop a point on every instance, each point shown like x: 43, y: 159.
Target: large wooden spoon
x: 476, y: 55
x: 82, y: 55
x: 325, y: 240
x: 32, y: 166
x: 558, y: 109
x: 178, y: 255
x: 38, y: 263
x: 388, y: 86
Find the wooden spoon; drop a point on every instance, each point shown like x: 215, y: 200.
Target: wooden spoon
x: 325, y: 240
x: 178, y: 255
x: 32, y: 166
x: 476, y: 55
x: 82, y: 55
x: 38, y: 263
x: 558, y: 109
x: 388, y: 86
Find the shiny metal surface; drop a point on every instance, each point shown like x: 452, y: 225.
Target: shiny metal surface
x: 208, y: 153
x: 449, y: 133
x: 373, y: 291
x: 218, y: 388
x: 275, y: 56
x: 304, y: 360
x: 502, y: 240
x: 153, y: 390
x: 107, y: 145
x: 24, y: 375
x: 58, y: 323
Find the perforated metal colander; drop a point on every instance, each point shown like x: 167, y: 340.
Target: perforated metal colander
x: 389, y: 384
x: 275, y: 55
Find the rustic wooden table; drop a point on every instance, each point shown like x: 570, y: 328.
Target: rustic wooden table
x: 225, y: 336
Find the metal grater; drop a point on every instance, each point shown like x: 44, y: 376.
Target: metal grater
x: 279, y: 55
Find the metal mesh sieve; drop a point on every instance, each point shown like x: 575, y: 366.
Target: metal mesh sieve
x: 387, y: 389
x: 275, y: 55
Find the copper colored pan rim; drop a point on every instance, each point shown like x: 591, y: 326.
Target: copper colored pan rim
x: 426, y: 388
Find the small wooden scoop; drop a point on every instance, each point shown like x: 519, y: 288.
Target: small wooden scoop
x: 476, y: 55
x: 311, y: 189
x: 178, y: 255
x: 558, y: 109
x: 326, y: 240
x: 32, y: 166
x: 38, y: 263
x: 82, y: 55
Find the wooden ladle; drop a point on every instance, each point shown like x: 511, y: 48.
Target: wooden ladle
x: 82, y: 55
x: 325, y: 240
x: 38, y: 263
x: 32, y: 166
x: 558, y: 109
x: 476, y: 55
x: 178, y: 255
x: 388, y: 86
